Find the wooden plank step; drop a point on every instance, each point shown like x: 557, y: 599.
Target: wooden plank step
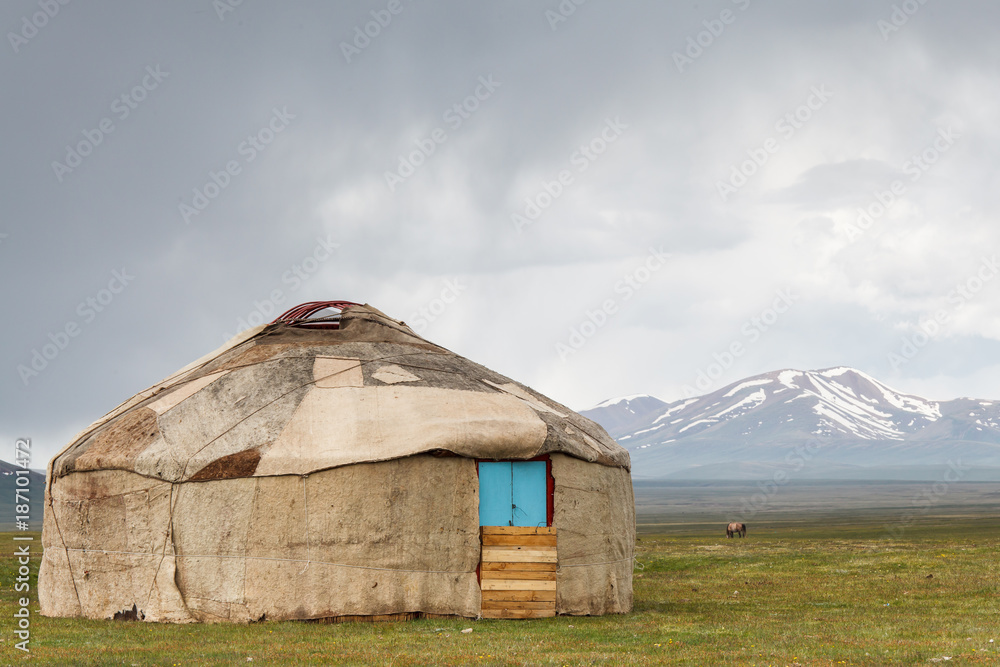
x: 517, y: 530
x: 515, y: 548
x: 527, y: 596
x: 519, y: 604
x: 518, y: 613
x: 521, y: 576
x: 519, y: 567
x: 516, y: 585
x: 500, y: 555
x: 520, y: 540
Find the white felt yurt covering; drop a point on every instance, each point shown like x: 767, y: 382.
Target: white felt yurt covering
x: 302, y: 473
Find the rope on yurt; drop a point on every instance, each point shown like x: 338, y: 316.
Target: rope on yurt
x: 271, y: 558
x: 605, y: 562
x: 305, y: 511
x: 310, y: 561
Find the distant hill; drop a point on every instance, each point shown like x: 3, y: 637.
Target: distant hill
x: 36, y: 496
x: 837, y: 423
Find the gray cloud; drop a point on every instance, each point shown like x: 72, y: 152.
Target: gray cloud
x: 323, y: 176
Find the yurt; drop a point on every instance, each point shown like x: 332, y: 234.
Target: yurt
x: 335, y: 465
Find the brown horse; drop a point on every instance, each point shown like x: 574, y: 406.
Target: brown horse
x: 737, y: 528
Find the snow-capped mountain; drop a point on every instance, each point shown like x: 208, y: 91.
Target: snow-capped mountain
x: 840, y: 418
x: 620, y: 414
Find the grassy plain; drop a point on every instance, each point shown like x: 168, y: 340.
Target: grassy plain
x: 820, y: 580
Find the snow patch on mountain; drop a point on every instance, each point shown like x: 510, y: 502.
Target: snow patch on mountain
x: 647, y: 430
x: 693, y: 424
x: 786, y: 377
x: 744, y: 385
x: 679, y: 406
x: 913, y: 404
x: 615, y: 401
x: 753, y: 400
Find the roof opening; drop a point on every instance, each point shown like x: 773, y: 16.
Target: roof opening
x: 315, y: 314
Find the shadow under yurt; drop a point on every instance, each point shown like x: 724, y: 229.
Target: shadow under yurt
x: 334, y: 464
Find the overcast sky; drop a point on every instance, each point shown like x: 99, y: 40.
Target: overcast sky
x: 594, y: 200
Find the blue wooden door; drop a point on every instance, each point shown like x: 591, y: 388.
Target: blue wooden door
x: 495, y: 493
x: 529, y: 495
x: 513, y: 493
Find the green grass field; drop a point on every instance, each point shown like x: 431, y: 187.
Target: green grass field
x: 830, y: 592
